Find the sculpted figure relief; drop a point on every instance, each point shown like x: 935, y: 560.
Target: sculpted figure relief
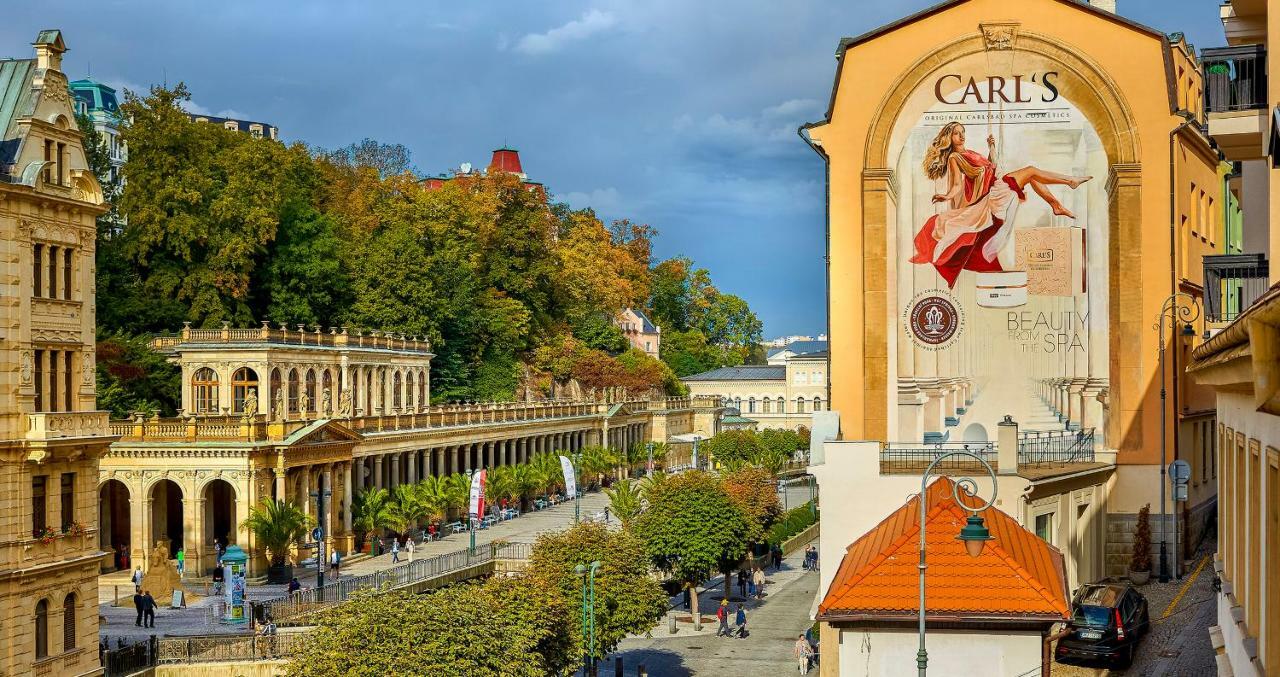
x: 251, y: 403
x: 304, y: 403
x: 326, y: 402
x: 344, y: 404
x: 278, y: 412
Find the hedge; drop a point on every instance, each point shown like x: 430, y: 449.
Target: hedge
x: 793, y: 522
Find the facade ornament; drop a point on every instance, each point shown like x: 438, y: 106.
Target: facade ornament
x: 344, y: 403
x: 999, y: 36
x: 86, y: 367
x: 304, y: 402
x: 251, y: 403
x: 278, y: 412
x: 326, y: 402
x: 27, y: 367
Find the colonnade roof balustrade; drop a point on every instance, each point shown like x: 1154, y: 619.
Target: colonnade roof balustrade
x: 301, y: 335
x: 261, y: 428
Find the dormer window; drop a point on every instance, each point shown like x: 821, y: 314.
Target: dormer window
x: 232, y: 125
x: 256, y: 130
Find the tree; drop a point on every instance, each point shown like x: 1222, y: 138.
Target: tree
x: 131, y: 377
x: 433, y: 492
x: 370, y: 513
x: 733, y: 445
x: 593, y: 463
x: 457, y: 492
x: 407, y: 508
x: 755, y: 492
x: 628, y: 599
x: 625, y: 500
x: 276, y: 525
x: 691, y: 526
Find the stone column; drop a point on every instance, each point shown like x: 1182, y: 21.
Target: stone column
x: 305, y: 490
x: 192, y: 533
x: 466, y: 457
x: 377, y: 472
x: 488, y: 454
x: 413, y: 467
x: 326, y: 519
x: 139, y: 527
x: 346, y: 500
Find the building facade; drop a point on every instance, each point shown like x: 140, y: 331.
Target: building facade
x: 99, y: 102
x: 258, y: 130
x: 640, y: 331
x: 783, y: 394
x: 51, y: 435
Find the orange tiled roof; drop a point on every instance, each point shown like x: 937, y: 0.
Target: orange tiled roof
x: 1018, y: 576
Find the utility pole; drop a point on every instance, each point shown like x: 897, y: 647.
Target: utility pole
x: 319, y: 533
x: 650, y: 448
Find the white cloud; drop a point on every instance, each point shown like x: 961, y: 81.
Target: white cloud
x: 792, y: 108
x: 602, y: 200
x: 592, y: 22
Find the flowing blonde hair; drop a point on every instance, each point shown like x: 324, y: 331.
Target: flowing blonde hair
x: 935, y: 159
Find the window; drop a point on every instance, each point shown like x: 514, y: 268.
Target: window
x: 801, y: 378
x: 40, y: 380
x: 782, y: 406
x: 817, y: 404
x: 799, y: 405
x: 326, y: 386
x: 422, y: 391
x: 768, y: 406
x: 69, y: 622
x: 232, y: 125
x: 54, y: 362
x: 751, y: 405
x: 62, y: 170
x: 37, y: 258
x: 53, y: 272
x: 204, y: 391
x: 39, y: 504
x: 409, y: 390
x: 68, y: 481
x: 42, y: 629
x: 48, y: 158
x: 66, y: 273
x: 396, y: 398
x: 311, y: 390
x: 1044, y: 527
x: 66, y: 380
x: 243, y: 381
x: 293, y: 390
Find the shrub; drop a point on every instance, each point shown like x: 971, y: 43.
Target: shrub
x: 795, y: 521
x: 1142, y: 541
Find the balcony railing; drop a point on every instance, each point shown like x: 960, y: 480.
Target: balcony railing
x: 1232, y: 282
x: 1235, y: 78
x: 914, y: 458
x: 1053, y: 447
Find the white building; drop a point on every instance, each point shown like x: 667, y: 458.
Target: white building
x: 99, y: 102
x: 782, y: 394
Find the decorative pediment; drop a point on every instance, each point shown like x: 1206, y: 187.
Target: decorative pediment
x: 323, y: 431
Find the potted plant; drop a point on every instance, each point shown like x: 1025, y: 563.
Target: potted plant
x: 276, y: 525
x: 46, y: 535
x: 1140, y: 565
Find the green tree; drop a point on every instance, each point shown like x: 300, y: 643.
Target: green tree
x: 625, y: 500
x: 628, y: 599
x: 433, y: 492
x: 371, y: 512
x: 755, y: 492
x: 691, y: 527
x: 276, y: 525
x: 407, y: 509
x: 457, y: 493
x: 729, y: 446
x: 131, y: 377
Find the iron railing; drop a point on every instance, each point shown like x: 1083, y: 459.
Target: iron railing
x: 1232, y: 282
x: 1235, y: 78
x: 126, y: 660
x: 305, y: 602
x: 1054, y: 447
x: 216, y: 648
x: 913, y: 458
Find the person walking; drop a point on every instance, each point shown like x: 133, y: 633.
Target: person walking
x: 139, y: 603
x: 722, y: 615
x: 777, y: 558
x: 409, y: 545
x: 335, y: 560
x: 688, y: 597
x: 758, y: 579
x: 742, y: 582
x: 148, y: 610
x: 137, y: 580
x: 740, y: 620
x: 294, y: 585
x: 803, y: 653
x: 395, y: 550
x: 182, y: 562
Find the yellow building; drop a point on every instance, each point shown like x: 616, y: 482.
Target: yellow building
x: 51, y: 436
x: 782, y: 394
x: 1014, y: 198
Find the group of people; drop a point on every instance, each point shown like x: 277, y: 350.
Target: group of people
x: 751, y: 584
x: 739, y: 621
x: 811, y: 558
x: 146, y: 606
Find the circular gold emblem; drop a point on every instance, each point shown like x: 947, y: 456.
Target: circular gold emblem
x: 933, y: 320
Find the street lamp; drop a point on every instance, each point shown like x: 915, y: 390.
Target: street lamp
x: 1187, y: 312
x: 649, y: 447
x: 319, y: 494
x: 973, y: 535
x: 588, y: 613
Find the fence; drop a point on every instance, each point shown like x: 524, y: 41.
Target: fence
x: 212, y: 648
x: 1235, y: 78
x: 126, y: 660
x: 304, y: 602
x: 1232, y: 282
x: 912, y: 459
x: 1055, y: 447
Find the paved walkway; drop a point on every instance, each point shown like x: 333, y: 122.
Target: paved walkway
x: 774, y: 623
x: 198, y: 616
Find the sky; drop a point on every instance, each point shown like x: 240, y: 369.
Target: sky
x: 678, y: 114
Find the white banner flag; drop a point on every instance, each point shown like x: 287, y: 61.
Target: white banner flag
x: 570, y: 480
x: 477, y: 494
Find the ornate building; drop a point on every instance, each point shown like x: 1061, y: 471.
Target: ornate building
x: 781, y: 394
x: 51, y: 436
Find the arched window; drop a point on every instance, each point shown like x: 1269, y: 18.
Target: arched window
x: 817, y: 404
x: 311, y: 390
x: 782, y: 405
x: 409, y: 391
x: 799, y: 405
x: 204, y: 391
x: 42, y: 629
x: 396, y: 392
x: 69, y: 622
x: 368, y: 394
x: 293, y: 390
x: 422, y: 392
x: 382, y: 391
x: 276, y: 385
x: 751, y: 405
x: 737, y: 404
x: 243, y: 381
x: 356, y: 405
x: 767, y: 407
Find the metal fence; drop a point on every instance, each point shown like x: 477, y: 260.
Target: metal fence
x: 1232, y: 282
x: 126, y: 660
x: 211, y: 648
x: 914, y: 458
x: 1052, y: 447
x: 303, y: 602
x: 1235, y: 78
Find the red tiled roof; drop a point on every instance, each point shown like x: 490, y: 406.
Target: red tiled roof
x: 1018, y: 576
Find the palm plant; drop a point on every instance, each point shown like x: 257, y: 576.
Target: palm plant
x: 637, y: 456
x: 370, y: 512
x: 651, y: 483
x: 547, y: 469
x: 432, y: 493
x: 500, y: 484
x: 625, y: 499
x: 457, y: 492
x: 406, y: 508
x: 594, y: 462
x: 660, y: 450
x: 276, y: 525
x: 528, y: 482
x: 773, y: 460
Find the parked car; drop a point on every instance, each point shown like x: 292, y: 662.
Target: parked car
x: 1107, y: 621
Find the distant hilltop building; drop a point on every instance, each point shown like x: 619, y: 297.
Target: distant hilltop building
x: 788, y: 340
x: 796, y: 349
x: 257, y: 130
x: 640, y: 331
x: 99, y: 102
x: 505, y: 160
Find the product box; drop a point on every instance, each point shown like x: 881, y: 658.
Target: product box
x: 1053, y: 258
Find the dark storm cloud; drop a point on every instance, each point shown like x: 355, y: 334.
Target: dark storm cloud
x: 679, y: 114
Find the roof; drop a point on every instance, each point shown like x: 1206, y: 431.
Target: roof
x: 737, y: 420
x: 506, y: 160
x: 16, y: 101
x: 646, y: 325
x: 746, y: 372
x: 95, y: 94
x: 1237, y: 333
x: 1022, y: 577
x: 801, y: 348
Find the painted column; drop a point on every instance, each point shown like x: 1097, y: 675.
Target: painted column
x: 346, y: 500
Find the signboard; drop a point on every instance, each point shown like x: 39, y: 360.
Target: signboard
x: 1180, y: 492
x: 570, y: 481
x: 1002, y: 249
x: 477, y: 494
x: 1180, y: 471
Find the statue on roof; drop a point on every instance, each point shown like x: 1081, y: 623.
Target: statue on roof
x: 326, y: 402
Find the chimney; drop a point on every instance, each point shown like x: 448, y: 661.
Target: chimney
x: 49, y: 49
x: 1109, y: 5
x: 506, y: 160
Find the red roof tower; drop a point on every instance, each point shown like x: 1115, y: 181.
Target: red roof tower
x: 506, y: 160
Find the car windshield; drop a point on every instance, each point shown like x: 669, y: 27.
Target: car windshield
x: 1092, y: 615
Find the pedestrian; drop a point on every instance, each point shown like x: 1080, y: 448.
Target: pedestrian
x: 688, y: 597
x: 294, y: 585
x: 777, y: 558
x: 335, y: 560
x: 813, y: 559
x: 395, y: 550
x: 722, y: 615
x: 137, y: 580
x: 758, y: 579
x: 148, y: 610
x: 606, y: 514
x: 182, y: 561
x: 409, y: 546
x: 742, y: 582
x: 219, y: 576
x: 139, y: 603
x: 803, y: 653
x: 740, y: 619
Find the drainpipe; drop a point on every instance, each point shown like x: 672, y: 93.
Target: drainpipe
x: 1177, y: 332
x: 826, y: 229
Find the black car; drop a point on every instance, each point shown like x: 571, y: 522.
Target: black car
x: 1107, y: 620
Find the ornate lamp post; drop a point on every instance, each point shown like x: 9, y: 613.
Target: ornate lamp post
x: 588, y: 575
x: 1187, y: 311
x: 974, y: 534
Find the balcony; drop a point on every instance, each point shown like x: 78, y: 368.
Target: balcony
x: 68, y: 424
x: 1232, y: 283
x: 1236, y: 99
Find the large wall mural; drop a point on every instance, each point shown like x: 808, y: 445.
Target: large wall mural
x: 1001, y: 256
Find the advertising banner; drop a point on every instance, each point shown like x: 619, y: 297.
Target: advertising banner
x: 477, y: 494
x: 570, y: 479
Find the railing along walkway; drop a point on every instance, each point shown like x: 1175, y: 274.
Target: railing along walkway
x: 1055, y: 447
x: 913, y: 458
